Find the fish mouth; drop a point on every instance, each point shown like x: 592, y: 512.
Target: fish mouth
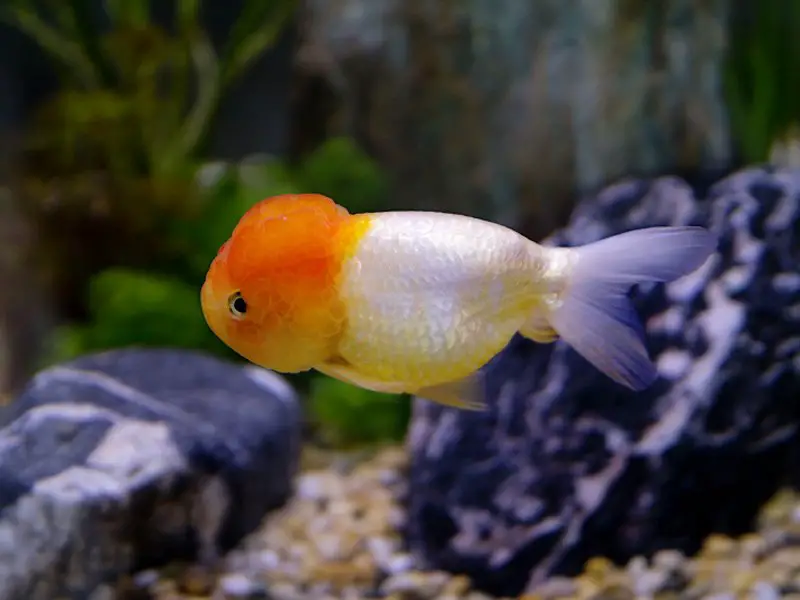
x: 206, y: 296
x: 210, y: 305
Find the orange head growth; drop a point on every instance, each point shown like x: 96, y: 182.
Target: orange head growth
x: 271, y: 292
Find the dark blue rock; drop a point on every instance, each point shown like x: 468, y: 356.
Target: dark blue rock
x: 127, y: 459
x: 567, y: 465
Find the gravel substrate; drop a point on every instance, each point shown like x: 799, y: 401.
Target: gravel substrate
x: 338, y: 540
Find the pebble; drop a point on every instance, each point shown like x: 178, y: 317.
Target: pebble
x: 196, y: 581
x: 557, y: 587
x: 338, y: 539
x: 146, y: 579
x: 237, y: 586
x: 399, y: 563
x: 764, y: 591
x: 415, y: 584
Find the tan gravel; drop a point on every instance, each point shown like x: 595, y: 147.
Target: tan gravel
x: 338, y: 540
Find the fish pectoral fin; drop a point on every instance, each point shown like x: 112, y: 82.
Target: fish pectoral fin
x: 344, y: 371
x: 466, y: 393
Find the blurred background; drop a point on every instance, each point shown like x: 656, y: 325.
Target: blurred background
x: 134, y: 134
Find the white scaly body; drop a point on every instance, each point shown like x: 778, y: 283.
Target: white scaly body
x: 432, y: 297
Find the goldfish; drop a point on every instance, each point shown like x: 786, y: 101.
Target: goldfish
x: 419, y: 302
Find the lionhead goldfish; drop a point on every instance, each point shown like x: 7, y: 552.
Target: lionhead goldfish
x: 418, y: 302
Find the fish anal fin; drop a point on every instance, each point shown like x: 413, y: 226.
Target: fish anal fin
x: 539, y: 332
x: 466, y: 393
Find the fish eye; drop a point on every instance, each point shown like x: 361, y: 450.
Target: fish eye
x: 237, y: 305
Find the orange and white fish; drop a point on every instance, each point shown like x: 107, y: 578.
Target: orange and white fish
x: 418, y: 302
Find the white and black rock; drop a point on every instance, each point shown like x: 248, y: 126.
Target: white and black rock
x: 123, y: 460
x: 567, y: 464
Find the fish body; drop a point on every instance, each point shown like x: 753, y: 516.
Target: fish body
x: 419, y: 301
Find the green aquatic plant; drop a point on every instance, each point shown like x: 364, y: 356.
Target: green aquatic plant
x: 340, y: 169
x: 159, y: 90
x: 762, y: 75
x: 227, y: 192
x: 352, y: 416
x: 108, y: 163
x: 132, y: 308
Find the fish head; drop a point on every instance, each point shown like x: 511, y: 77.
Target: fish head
x: 271, y: 291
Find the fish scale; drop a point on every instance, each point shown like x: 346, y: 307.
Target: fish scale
x: 437, y: 306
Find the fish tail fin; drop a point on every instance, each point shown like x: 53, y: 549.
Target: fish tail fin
x: 594, y: 314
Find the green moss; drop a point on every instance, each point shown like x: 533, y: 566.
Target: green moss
x: 131, y: 308
x: 351, y: 416
x: 341, y: 170
x: 224, y: 200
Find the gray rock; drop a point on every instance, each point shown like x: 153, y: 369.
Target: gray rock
x: 567, y: 465
x: 123, y: 460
